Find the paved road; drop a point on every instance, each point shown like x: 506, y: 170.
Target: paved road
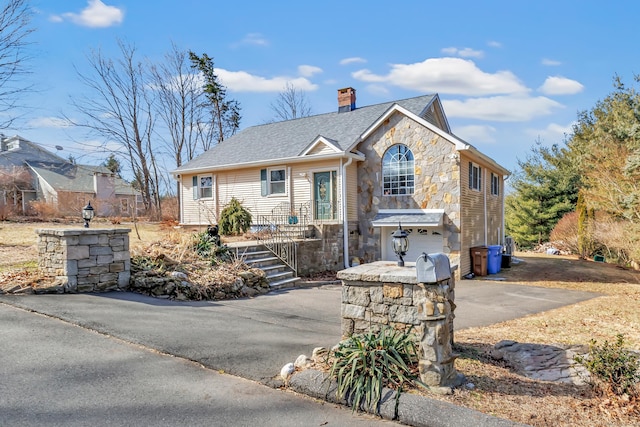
x: 55, y: 370
x: 53, y: 373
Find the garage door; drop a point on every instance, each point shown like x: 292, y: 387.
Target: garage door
x: 421, y: 239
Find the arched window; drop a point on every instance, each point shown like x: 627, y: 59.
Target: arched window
x: 397, y: 171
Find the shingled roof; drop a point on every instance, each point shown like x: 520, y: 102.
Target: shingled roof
x: 65, y: 176
x: 288, y: 139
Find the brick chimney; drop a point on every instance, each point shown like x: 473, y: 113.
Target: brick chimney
x: 346, y: 99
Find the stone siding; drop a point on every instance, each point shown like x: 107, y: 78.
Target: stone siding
x: 382, y: 294
x: 326, y: 252
x: 86, y: 260
x: 437, y: 180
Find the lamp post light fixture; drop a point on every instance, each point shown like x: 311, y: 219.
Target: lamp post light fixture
x: 87, y: 214
x: 400, y: 244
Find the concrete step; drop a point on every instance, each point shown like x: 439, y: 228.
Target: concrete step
x: 284, y: 283
x: 279, y: 275
x: 252, y: 255
x: 263, y: 262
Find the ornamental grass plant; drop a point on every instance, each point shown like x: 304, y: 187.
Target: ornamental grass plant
x: 364, y: 364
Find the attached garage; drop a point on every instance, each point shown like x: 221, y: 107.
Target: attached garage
x: 424, y: 228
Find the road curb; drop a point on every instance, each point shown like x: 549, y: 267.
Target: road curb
x: 413, y: 410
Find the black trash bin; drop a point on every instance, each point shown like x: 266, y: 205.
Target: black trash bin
x: 506, y: 260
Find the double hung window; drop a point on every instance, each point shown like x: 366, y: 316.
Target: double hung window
x: 475, y: 177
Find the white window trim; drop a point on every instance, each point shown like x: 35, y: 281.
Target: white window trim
x: 497, y: 186
x: 475, y: 186
x: 413, y: 173
x: 285, y: 181
x: 200, y: 188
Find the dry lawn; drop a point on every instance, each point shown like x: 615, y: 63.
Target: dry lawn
x: 502, y: 392
x: 18, y: 240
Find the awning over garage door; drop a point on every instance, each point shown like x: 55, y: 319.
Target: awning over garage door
x: 408, y: 218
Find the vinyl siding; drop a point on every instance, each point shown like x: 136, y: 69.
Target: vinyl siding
x: 473, y: 212
x: 245, y: 185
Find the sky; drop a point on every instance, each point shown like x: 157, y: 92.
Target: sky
x: 509, y: 73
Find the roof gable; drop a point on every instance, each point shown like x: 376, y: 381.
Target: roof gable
x: 321, y: 145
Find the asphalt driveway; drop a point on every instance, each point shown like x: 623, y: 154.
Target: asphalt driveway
x: 69, y: 359
x: 253, y: 338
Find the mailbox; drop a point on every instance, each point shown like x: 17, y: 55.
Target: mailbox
x: 432, y: 268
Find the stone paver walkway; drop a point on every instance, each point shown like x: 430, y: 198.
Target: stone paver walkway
x: 543, y: 362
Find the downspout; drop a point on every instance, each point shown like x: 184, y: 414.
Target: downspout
x: 345, y: 224
x: 504, y: 186
x: 290, y: 185
x: 484, y: 181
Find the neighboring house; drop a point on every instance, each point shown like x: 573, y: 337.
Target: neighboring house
x: 355, y: 174
x: 65, y: 185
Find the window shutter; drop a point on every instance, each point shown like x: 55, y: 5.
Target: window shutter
x: 470, y: 175
x: 479, y: 178
x: 195, y: 188
x: 263, y: 182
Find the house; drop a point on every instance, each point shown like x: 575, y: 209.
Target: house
x: 44, y: 176
x: 354, y: 175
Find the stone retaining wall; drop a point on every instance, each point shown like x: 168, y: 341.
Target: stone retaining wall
x: 86, y: 260
x: 382, y: 294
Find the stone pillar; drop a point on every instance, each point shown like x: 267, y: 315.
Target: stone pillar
x: 86, y: 260
x: 381, y: 293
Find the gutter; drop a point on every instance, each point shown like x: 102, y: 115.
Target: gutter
x: 263, y: 163
x: 345, y: 224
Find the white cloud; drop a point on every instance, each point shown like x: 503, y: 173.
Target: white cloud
x: 494, y: 43
x: 446, y: 75
x: 352, y: 60
x: 467, y: 52
x: 49, y: 122
x: 253, y: 39
x: 377, y: 90
x: 558, y: 85
x: 477, y: 133
x: 95, y: 15
x: 241, y: 81
x: 550, y: 62
x: 502, y: 108
x: 553, y: 133
x: 308, y: 70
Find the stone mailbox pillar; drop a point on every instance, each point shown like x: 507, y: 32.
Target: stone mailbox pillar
x: 381, y: 293
x: 86, y: 260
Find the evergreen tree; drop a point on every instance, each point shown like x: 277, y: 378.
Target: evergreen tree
x: 544, y: 189
x: 606, y: 147
x: 113, y: 164
x: 225, y: 113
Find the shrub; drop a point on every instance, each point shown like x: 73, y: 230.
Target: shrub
x: 44, y: 210
x: 613, y: 369
x: 234, y: 218
x: 364, y: 364
x: 564, y: 235
x: 207, y: 246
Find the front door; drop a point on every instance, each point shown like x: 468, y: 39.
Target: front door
x: 325, y: 195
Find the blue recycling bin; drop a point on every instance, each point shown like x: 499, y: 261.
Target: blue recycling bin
x: 494, y: 259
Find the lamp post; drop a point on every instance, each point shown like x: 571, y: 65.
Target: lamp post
x: 87, y: 214
x: 400, y: 244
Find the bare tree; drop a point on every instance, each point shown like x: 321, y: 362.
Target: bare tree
x: 15, y: 18
x: 120, y: 110
x: 180, y: 106
x: 291, y: 104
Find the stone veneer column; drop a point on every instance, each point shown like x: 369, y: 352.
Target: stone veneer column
x: 381, y: 293
x: 86, y: 260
